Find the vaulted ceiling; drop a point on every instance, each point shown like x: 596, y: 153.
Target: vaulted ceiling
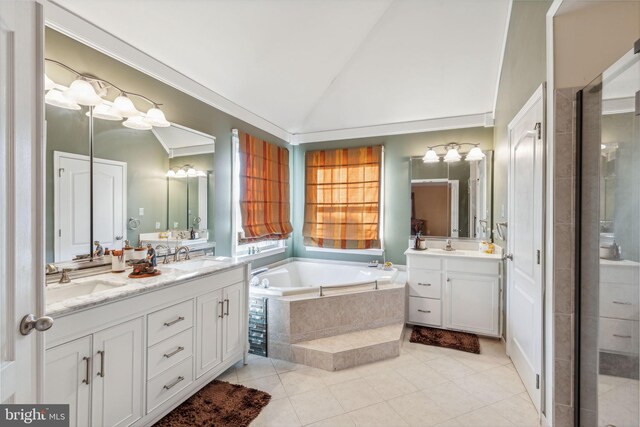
x: 321, y: 65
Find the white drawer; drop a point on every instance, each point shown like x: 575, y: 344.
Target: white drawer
x: 169, y: 383
x: 425, y: 311
x: 619, y: 301
x: 425, y: 283
x: 618, y: 335
x: 424, y: 261
x: 169, y: 321
x: 169, y: 352
x: 619, y: 274
x: 472, y: 266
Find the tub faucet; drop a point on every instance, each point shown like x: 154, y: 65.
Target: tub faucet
x: 259, y: 271
x: 448, y: 246
x: 176, y: 255
x: 64, y: 278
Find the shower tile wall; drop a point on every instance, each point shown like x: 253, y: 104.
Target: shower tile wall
x: 564, y: 170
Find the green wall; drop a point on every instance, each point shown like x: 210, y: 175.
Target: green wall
x: 397, y: 204
x: 523, y: 70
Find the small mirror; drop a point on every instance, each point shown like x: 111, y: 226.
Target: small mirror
x: 451, y: 199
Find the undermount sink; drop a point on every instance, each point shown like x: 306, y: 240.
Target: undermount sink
x: 193, y: 265
x: 73, y: 290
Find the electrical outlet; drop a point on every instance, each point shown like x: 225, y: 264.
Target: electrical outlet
x: 141, y: 211
x: 157, y: 226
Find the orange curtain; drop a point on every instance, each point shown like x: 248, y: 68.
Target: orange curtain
x: 342, y: 207
x: 264, y: 190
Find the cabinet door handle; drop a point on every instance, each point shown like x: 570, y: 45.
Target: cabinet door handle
x: 424, y: 311
x: 621, y: 336
x: 101, y: 373
x: 171, y: 385
x: 174, y: 352
x: 221, y: 315
x: 226, y: 313
x: 87, y: 374
x: 622, y: 302
x: 424, y: 284
x: 173, y: 322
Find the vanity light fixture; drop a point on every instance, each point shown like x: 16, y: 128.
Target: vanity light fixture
x: 125, y: 106
x: 171, y: 173
x: 475, y: 155
x: 181, y: 173
x: 186, y: 171
x: 48, y: 83
x: 83, y: 93
x: 105, y: 111
x: 137, y: 123
x: 452, y: 155
x: 57, y: 99
x: 155, y: 117
x: 431, y: 156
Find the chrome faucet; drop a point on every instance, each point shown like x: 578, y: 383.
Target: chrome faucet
x: 166, y: 254
x: 448, y: 246
x: 176, y: 255
x: 64, y: 278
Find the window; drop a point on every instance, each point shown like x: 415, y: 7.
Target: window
x: 263, y: 195
x: 342, y: 198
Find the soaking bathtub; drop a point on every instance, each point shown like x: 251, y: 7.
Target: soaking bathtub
x: 298, y: 277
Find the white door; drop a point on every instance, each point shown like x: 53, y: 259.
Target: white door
x: 68, y: 379
x: 117, y: 375
x: 71, y: 203
x: 234, y: 331
x: 210, y: 310
x: 454, y: 192
x: 525, y: 242
x: 473, y: 303
x: 21, y: 198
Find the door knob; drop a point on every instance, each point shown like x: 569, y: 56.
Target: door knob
x: 29, y: 323
x: 508, y: 256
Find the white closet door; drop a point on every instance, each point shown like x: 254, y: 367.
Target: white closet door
x: 109, y: 201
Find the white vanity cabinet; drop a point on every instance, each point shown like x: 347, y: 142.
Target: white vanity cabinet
x: 133, y: 360
x: 99, y: 376
x: 459, y: 292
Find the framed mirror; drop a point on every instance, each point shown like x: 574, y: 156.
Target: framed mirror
x: 112, y: 177
x: 451, y: 199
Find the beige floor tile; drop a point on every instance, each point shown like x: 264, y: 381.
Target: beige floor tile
x: 450, y: 423
x: 315, y: 405
x: 449, y: 367
x: 285, y: 366
x: 336, y: 377
x: 518, y: 411
x: 390, y: 384
x: 483, y: 388
x: 256, y: 368
x: 402, y: 361
x: 378, y: 415
x: 343, y: 420
x: 372, y: 368
x: 453, y: 398
x: 355, y: 394
x: 278, y: 413
x: 301, y: 381
x: 229, y: 376
x: 484, y: 417
x: 421, y: 376
x: 418, y: 410
x: 506, y: 377
x: 270, y: 384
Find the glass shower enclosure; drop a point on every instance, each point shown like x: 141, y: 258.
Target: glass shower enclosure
x: 608, y: 256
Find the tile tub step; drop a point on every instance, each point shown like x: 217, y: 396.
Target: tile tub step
x: 352, y: 349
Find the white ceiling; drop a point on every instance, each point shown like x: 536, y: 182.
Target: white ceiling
x: 319, y: 65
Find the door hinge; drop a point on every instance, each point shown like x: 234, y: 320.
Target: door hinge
x: 538, y: 381
x: 538, y: 127
x: 538, y: 256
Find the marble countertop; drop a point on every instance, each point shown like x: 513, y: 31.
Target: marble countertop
x: 118, y: 286
x: 460, y: 253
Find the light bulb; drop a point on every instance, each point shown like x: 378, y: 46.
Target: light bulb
x: 202, y: 174
x: 431, y: 157
x: 106, y: 112
x: 54, y: 97
x: 155, y: 117
x: 452, y: 155
x: 125, y: 107
x: 48, y: 83
x: 137, y: 123
x: 181, y: 173
x: 83, y: 93
x: 171, y: 173
x: 191, y: 172
x: 475, y: 154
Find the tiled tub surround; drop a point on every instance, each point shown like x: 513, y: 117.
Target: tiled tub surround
x: 339, y: 330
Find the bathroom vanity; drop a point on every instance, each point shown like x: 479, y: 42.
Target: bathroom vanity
x: 132, y: 350
x: 459, y: 290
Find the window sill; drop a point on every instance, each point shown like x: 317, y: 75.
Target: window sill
x: 265, y: 253
x: 374, y: 252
